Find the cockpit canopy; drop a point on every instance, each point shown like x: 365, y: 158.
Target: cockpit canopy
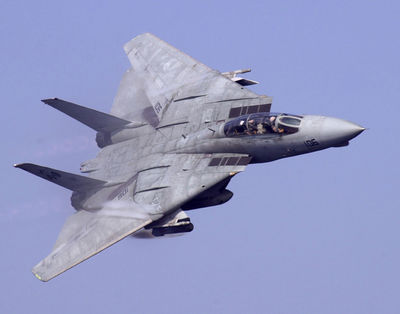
x: 263, y: 123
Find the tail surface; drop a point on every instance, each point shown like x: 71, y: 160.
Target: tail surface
x: 67, y: 180
x: 98, y: 121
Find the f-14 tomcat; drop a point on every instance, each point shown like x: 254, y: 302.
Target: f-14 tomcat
x: 177, y: 133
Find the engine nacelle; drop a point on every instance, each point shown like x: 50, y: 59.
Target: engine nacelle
x: 208, y: 199
x: 103, y: 139
x: 128, y: 132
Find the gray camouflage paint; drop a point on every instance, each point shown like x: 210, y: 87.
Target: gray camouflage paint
x: 165, y: 128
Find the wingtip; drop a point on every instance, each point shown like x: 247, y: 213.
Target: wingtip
x: 128, y: 45
x: 39, y: 273
x: 21, y: 165
x: 39, y: 277
x: 48, y: 101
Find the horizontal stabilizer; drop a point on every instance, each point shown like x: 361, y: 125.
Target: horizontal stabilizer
x: 67, y: 180
x: 99, y: 121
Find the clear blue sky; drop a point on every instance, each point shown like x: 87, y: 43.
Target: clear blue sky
x: 312, y: 234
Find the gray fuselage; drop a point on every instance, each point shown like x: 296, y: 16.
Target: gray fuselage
x: 314, y: 133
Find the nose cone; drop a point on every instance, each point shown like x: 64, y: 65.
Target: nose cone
x: 337, y: 131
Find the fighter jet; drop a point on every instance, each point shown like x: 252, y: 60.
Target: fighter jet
x: 177, y: 134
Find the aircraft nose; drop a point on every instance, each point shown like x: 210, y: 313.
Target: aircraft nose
x: 337, y: 131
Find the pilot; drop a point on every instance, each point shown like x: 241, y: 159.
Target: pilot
x: 241, y: 128
x: 252, y: 127
x: 272, y: 122
x: 276, y: 129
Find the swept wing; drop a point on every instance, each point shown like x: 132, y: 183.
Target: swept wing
x: 172, y: 92
x: 183, y: 177
x: 166, y: 86
x: 85, y: 234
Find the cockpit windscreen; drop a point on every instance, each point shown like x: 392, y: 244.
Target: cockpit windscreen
x: 263, y: 123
